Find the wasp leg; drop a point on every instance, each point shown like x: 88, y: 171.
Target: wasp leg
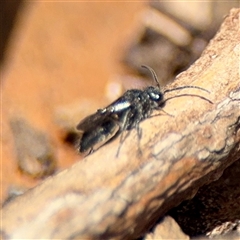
x: 123, y: 127
x: 159, y: 114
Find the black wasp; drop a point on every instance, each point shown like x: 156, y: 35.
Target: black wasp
x: 123, y: 114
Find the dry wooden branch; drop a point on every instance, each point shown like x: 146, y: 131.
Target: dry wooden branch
x: 106, y: 197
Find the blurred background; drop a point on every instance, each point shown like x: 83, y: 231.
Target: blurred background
x: 60, y: 61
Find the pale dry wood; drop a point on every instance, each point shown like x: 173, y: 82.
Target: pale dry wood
x: 108, y: 197
x: 166, y: 229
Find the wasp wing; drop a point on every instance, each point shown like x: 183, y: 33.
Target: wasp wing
x: 110, y: 112
x: 91, y: 121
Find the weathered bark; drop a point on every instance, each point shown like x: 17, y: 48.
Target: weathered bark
x: 108, y: 197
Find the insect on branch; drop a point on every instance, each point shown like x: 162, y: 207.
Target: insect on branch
x: 125, y: 113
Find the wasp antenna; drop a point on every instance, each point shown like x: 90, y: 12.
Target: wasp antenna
x: 154, y: 75
x: 179, y: 88
x: 184, y: 95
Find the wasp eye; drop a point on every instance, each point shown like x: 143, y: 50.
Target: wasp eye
x: 155, y: 96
